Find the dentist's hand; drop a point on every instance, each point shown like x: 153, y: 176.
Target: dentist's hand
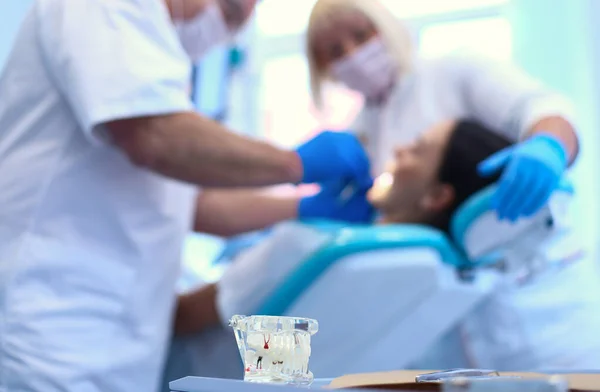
x: 531, y: 171
x: 332, y: 203
x: 334, y: 156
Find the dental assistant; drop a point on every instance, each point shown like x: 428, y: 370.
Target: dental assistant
x: 101, y: 156
x: 362, y: 45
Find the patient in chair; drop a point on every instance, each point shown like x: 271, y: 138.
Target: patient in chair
x: 547, y: 324
x: 424, y: 184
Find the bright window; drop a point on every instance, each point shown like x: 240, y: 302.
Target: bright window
x: 406, y: 9
x: 288, y: 114
x: 283, y: 17
x: 489, y: 36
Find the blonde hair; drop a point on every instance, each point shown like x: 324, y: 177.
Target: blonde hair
x: 392, y: 31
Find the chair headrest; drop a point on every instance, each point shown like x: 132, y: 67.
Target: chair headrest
x: 478, y: 208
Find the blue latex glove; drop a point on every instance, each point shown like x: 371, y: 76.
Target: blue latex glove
x: 330, y: 203
x: 333, y: 156
x: 531, y: 172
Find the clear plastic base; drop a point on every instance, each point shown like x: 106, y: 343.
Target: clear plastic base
x: 304, y: 379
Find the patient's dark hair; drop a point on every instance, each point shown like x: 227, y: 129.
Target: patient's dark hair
x: 470, y: 143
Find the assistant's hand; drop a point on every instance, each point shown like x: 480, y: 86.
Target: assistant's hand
x: 330, y: 203
x: 531, y: 172
x: 334, y: 156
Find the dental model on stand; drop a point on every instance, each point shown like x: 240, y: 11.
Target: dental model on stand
x: 275, y: 349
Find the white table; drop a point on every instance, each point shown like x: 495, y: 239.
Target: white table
x: 204, y: 384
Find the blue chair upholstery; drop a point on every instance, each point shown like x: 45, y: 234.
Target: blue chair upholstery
x: 352, y: 240
x: 476, y: 208
x: 479, y: 204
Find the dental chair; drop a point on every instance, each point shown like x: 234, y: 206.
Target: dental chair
x: 385, y: 295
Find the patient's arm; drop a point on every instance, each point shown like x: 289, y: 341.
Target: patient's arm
x: 197, y: 310
x: 227, y: 212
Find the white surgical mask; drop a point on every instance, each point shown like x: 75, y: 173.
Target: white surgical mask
x: 203, y: 32
x: 370, y: 70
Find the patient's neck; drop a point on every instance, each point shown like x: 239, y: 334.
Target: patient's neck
x: 399, y: 216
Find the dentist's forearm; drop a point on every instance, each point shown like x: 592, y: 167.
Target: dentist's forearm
x: 562, y: 130
x: 195, y: 149
x: 230, y: 212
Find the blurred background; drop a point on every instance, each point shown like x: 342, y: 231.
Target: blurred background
x: 258, y: 84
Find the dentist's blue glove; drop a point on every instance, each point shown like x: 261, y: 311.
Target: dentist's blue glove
x: 531, y: 171
x: 332, y: 203
x: 333, y: 156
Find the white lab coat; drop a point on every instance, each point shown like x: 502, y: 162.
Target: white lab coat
x: 456, y: 86
x: 90, y: 243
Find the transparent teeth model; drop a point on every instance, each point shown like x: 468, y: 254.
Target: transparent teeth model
x: 275, y: 349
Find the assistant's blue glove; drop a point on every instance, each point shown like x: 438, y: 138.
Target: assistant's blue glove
x: 334, y: 156
x: 531, y: 172
x: 331, y: 203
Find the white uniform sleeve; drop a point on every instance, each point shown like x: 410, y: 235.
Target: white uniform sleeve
x: 114, y: 59
x: 503, y: 97
x: 255, y: 273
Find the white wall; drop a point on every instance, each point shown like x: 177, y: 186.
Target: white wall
x: 559, y: 42
x: 11, y: 15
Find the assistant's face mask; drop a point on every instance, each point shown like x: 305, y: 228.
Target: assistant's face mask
x: 203, y: 32
x: 370, y: 70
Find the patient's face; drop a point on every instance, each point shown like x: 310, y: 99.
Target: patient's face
x: 411, y: 182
